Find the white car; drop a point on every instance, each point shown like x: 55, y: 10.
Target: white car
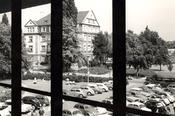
x: 103, y: 87
x: 139, y: 106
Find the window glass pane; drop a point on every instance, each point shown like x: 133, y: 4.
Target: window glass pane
x: 5, y: 47
x: 5, y: 62
x: 36, y: 47
x: 87, y: 51
x: 35, y: 104
x: 150, y: 83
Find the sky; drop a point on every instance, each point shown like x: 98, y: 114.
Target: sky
x: 157, y: 14
x: 103, y: 12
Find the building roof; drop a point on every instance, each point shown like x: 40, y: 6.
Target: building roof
x: 81, y: 16
x: 45, y: 20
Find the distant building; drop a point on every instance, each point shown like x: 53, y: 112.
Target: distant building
x: 171, y: 51
x: 37, y: 39
x: 88, y: 27
x: 37, y: 36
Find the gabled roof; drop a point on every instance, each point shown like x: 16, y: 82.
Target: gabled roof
x: 45, y: 20
x: 81, y: 15
x: 34, y: 22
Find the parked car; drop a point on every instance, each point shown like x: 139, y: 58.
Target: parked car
x: 103, y: 87
x: 77, y: 92
x: 96, y: 89
x: 31, y: 100
x: 109, y: 85
x: 139, y: 105
x: 88, y: 90
x: 101, y: 111
x: 44, y: 101
x: 108, y: 100
x: 85, y: 109
x: 3, y: 105
x: 72, y: 112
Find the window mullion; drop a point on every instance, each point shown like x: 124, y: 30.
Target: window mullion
x: 16, y: 57
x: 56, y: 57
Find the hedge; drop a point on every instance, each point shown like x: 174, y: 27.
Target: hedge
x: 95, y: 70
x: 36, y: 75
x: 79, y: 78
x: 142, y: 73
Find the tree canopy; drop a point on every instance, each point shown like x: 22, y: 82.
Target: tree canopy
x: 71, y: 52
x: 146, y: 49
x: 102, y: 47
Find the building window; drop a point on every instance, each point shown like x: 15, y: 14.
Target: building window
x: 30, y: 39
x: 44, y: 29
x: 43, y: 39
x: 30, y: 49
x: 43, y: 48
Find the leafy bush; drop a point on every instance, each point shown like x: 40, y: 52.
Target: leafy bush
x: 36, y: 75
x: 79, y: 78
x: 5, y: 95
x: 95, y: 70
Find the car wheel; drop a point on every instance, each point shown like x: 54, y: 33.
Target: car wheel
x: 89, y: 93
x: 80, y: 96
x: 96, y: 92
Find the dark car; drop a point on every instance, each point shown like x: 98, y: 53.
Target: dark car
x: 31, y: 100
x: 43, y: 100
x: 86, y: 109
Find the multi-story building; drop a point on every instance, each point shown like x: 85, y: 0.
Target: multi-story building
x: 37, y: 36
x: 37, y: 39
x: 88, y: 27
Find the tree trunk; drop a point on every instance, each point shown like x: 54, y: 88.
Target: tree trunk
x: 160, y: 67
x: 137, y: 73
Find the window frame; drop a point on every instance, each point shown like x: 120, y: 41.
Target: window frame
x: 56, y: 62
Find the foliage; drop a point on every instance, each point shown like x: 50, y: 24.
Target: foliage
x: 5, y: 48
x: 101, y: 49
x: 26, y: 65
x: 170, y: 66
x: 79, y: 78
x: 71, y: 52
x: 142, y: 73
x: 146, y: 49
x: 5, y: 95
x: 36, y: 75
x: 158, y: 47
x: 135, y: 52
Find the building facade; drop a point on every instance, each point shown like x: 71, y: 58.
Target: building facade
x: 88, y: 27
x: 37, y: 36
x: 37, y: 39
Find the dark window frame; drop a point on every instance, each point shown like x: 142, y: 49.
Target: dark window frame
x: 56, y: 60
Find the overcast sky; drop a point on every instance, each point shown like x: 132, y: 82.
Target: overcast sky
x: 157, y: 14
x: 102, y: 9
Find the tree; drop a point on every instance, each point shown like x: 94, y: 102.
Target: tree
x: 170, y: 66
x: 100, y: 44
x: 134, y: 52
x: 158, y: 47
x: 26, y: 65
x: 5, y: 49
x: 5, y: 19
x: 71, y: 52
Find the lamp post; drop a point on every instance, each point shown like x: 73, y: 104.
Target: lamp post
x: 88, y: 71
